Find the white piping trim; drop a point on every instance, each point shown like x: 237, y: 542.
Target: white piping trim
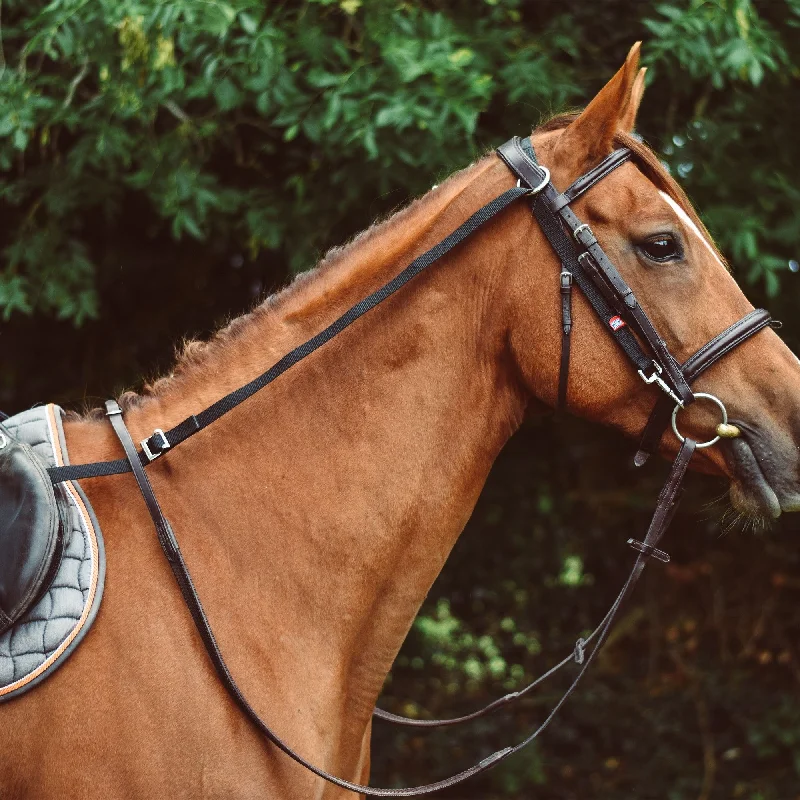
x: 89, y: 529
x: 687, y: 220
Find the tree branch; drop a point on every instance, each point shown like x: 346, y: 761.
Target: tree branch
x: 75, y: 81
x: 177, y: 111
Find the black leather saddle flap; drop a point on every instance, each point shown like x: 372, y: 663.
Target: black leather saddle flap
x: 31, y: 540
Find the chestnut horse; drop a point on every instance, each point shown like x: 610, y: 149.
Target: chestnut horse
x: 316, y: 516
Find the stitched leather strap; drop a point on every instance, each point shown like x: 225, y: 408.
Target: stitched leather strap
x: 723, y: 343
x: 565, y: 248
x: 708, y: 354
x: 169, y: 544
x: 589, y: 179
x: 610, y: 296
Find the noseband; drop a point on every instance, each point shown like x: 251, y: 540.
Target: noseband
x: 583, y: 262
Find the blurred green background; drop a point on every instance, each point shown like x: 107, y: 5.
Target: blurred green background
x: 165, y: 164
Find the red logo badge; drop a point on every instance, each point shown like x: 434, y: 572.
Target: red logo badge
x: 615, y: 323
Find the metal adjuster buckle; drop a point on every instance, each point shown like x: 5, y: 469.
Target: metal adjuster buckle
x: 649, y: 550
x: 161, y: 444
x: 566, y: 279
x: 579, y: 654
x: 583, y: 228
x: 659, y: 381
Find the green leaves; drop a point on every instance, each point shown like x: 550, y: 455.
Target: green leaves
x: 723, y: 74
x: 33, y: 280
x: 191, y: 109
x: 725, y: 41
x: 196, y: 108
x: 227, y: 95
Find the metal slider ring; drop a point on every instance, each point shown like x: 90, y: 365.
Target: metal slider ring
x: 701, y: 396
x: 545, y: 180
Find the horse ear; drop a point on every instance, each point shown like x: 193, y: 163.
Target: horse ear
x: 628, y: 121
x: 588, y: 139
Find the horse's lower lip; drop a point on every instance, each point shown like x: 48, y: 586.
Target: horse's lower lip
x: 751, y: 492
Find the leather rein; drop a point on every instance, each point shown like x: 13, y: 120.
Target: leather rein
x: 583, y: 262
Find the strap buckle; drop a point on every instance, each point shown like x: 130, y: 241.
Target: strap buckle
x: 566, y: 279
x: 579, y: 654
x: 584, y: 235
x: 660, y: 382
x: 649, y: 550
x: 545, y: 180
x: 155, y: 444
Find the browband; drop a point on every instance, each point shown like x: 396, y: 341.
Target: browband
x: 593, y: 176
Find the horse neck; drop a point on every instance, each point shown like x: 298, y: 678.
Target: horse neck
x: 326, y: 504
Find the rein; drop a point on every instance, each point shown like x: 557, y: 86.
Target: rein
x: 583, y: 262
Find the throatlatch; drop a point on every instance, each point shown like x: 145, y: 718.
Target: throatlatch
x: 583, y: 263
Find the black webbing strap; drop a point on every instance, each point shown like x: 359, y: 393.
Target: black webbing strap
x: 567, y: 279
x: 166, y: 537
x: 162, y: 441
x: 666, y: 506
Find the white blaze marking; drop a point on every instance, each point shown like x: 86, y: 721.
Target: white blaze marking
x: 687, y: 220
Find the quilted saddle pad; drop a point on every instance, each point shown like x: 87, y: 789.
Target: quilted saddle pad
x: 48, y: 633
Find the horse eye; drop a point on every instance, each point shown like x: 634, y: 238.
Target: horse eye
x: 662, y: 247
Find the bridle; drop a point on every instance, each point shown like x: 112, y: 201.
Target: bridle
x: 583, y: 262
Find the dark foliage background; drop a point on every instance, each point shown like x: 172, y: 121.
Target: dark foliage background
x: 164, y: 164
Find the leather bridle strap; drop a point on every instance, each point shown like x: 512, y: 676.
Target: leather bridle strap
x: 705, y: 357
x: 667, y: 502
x: 590, y: 178
x: 582, y: 256
x: 666, y: 506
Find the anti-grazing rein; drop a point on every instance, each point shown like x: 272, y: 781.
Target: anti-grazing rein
x: 583, y: 262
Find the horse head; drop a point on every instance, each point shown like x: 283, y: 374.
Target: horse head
x: 647, y: 226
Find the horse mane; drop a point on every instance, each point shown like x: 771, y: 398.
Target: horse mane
x: 294, y: 300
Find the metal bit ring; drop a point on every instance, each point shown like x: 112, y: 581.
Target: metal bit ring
x: 701, y: 396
